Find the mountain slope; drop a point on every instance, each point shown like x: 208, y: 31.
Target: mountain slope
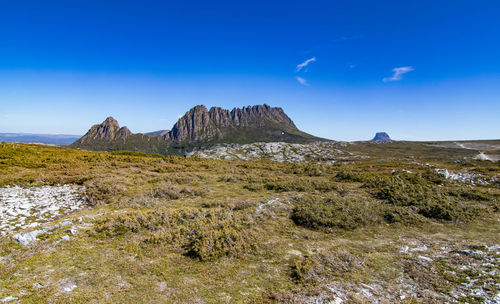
x: 246, y: 125
x: 199, y: 127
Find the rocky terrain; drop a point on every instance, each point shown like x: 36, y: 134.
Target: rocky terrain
x: 279, y: 151
x: 22, y: 208
x: 199, y: 127
x: 275, y: 222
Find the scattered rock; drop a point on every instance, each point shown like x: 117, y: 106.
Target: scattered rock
x: 22, y: 208
x: 27, y: 237
x: 278, y: 151
x: 463, y: 177
x: 67, y: 285
x: 8, y: 299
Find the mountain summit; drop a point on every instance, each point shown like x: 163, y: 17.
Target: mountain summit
x: 381, y: 136
x: 249, y: 124
x: 109, y: 129
x: 200, y: 127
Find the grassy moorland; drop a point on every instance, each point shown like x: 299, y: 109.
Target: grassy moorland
x: 170, y: 229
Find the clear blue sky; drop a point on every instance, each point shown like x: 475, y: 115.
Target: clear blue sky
x: 419, y: 70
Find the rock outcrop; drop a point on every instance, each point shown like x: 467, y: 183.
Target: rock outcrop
x: 108, y: 130
x: 381, y: 136
x: 200, y: 127
x: 200, y: 124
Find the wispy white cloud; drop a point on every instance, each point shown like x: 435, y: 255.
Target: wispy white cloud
x: 302, y: 65
x: 301, y: 80
x: 398, y: 73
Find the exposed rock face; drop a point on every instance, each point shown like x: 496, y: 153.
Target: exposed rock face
x: 381, y: 136
x: 200, y: 124
x: 199, y: 127
x: 107, y: 130
x: 195, y: 125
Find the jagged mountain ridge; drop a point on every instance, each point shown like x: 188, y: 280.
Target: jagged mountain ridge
x: 200, y: 127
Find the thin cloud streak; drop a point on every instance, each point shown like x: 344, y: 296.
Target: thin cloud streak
x: 398, y: 74
x: 301, y: 80
x: 302, y: 65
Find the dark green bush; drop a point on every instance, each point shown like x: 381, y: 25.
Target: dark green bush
x: 415, y: 194
x: 214, y: 238
x: 205, y: 235
x: 331, y: 212
x: 349, y: 176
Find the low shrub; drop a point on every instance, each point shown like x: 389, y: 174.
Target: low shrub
x: 416, y: 195
x: 204, y: 235
x: 215, y: 237
x: 349, y: 176
x: 333, y: 212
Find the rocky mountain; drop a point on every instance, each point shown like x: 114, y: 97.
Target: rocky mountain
x: 249, y: 124
x: 107, y: 130
x: 200, y: 127
x: 381, y: 136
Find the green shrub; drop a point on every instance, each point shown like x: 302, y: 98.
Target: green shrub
x: 214, y: 238
x: 349, y: 176
x: 472, y: 195
x: 332, y: 212
x: 205, y: 235
x: 415, y: 194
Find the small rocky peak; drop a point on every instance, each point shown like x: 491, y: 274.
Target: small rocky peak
x: 381, y: 136
x: 110, y: 121
x: 109, y: 129
x: 123, y: 132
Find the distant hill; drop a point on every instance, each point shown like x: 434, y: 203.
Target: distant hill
x: 200, y: 127
x: 157, y: 133
x: 381, y: 136
x: 48, y: 139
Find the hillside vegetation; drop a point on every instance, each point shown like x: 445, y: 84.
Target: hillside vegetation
x: 385, y: 227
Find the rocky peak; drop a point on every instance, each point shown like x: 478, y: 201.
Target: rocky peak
x: 381, y: 136
x: 201, y: 124
x: 109, y: 129
x: 195, y: 125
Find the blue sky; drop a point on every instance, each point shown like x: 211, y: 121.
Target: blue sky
x: 419, y: 70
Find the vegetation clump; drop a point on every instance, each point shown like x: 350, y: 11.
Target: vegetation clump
x: 417, y: 194
x: 334, y: 212
x: 205, y: 235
